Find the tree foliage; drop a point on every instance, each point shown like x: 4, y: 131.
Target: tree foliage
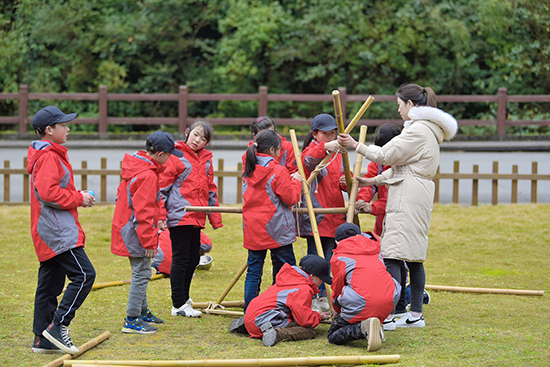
x: 291, y: 46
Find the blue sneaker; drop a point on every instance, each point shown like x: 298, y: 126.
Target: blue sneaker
x: 148, y: 317
x: 138, y: 326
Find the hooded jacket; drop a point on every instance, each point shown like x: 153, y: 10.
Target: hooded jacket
x: 189, y: 181
x: 367, y: 193
x: 268, y: 193
x: 361, y: 285
x: 414, y: 157
x: 137, y: 210
x: 289, y: 299
x: 54, y: 200
x: 325, y: 190
x: 286, y: 157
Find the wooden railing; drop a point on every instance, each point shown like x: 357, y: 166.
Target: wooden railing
x: 183, y: 97
x: 221, y: 174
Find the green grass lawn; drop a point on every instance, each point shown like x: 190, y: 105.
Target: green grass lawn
x: 488, y: 246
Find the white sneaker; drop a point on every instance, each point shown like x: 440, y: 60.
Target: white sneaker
x: 323, y: 304
x: 186, y: 310
x: 401, y: 315
x: 410, y: 322
x: 389, y: 323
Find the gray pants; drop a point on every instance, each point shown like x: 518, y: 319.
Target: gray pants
x: 141, y: 275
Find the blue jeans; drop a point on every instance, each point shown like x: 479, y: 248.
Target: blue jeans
x: 256, y: 259
x: 328, y: 244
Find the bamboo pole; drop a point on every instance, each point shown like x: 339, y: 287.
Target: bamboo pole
x: 213, y: 311
x: 307, y: 195
x: 239, y: 210
x: 341, y: 129
x: 356, y: 172
x: 232, y: 283
x: 268, y: 362
x: 348, y: 129
x: 83, y: 348
x: 484, y: 290
x: 120, y: 282
x: 223, y: 304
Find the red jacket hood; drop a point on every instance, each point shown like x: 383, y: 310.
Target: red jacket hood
x: 202, y: 155
x: 262, y: 171
x: 40, y: 147
x: 359, y: 245
x: 290, y: 276
x: 137, y: 163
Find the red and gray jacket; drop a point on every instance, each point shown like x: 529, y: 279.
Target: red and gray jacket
x: 289, y: 299
x: 325, y: 190
x: 361, y: 285
x: 54, y: 201
x: 268, y: 193
x: 367, y: 193
x: 286, y: 158
x: 137, y: 210
x: 189, y: 181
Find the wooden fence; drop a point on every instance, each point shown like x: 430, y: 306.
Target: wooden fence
x: 221, y: 174
x: 183, y: 97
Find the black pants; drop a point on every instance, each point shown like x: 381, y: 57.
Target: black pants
x: 341, y: 331
x: 417, y: 280
x: 186, y: 243
x: 73, y: 264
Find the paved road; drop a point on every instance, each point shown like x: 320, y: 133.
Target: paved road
x: 232, y: 157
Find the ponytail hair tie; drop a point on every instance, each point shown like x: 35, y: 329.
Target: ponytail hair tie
x: 424, y: 90
x: 255, y: 144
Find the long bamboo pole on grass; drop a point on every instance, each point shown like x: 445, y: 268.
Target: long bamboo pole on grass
x: 223, y: 304
x: 307, y: 195
x: 239, y: 210
x: 484, y: 290
x: 270, y: 362
x: 83, y: 348
x: 355, y: 183
x: 348, y: 129
x: 120, y: 282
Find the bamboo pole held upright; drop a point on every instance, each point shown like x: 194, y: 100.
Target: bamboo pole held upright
x: 307, y: 195
x: 356, y: 172
x: 341, y: 129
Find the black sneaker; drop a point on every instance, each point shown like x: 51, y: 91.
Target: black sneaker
x: 237, y: 326
x: 426, y: 298
x: 43, y: 345
x: 148, y: 317
x: 59, y: 336
x: 270, y: 337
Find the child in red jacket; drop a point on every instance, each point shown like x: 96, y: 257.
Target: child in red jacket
x: 56, y: 233
x: 286, y: 157
x: 268, y: 224
x: 364, y: 292
x: 283, y: 311
x: 188, y: 181
x: 162, y: 262
x: 136, y: 222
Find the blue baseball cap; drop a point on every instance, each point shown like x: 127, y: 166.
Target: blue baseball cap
x: 323, y: 122
x: 49, y: 116
x: 161, y: 141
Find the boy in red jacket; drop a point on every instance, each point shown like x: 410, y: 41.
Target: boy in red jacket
x: 363, y: 291
x: 135, y: 233
x: 57, y: 235
x: 283, y: 311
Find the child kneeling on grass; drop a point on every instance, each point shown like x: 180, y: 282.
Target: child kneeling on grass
x: 283, y: 311
x: 135, y: 232
x: 364, y: 292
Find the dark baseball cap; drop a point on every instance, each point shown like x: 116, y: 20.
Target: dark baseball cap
x: 323, y: 122
x: 316, y: 265
x: 346, y: 230
x: 49, y: 116
x: 161, y: 141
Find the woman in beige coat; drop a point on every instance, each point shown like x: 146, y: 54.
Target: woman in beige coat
x: 414, y: 157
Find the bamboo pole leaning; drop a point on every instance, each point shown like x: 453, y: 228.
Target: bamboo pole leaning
x: 267, y: 362
x: 239, y: 210
x: 348, y: 129
x: 356, y: 173
x: 307, y: 196
x: 83, y: 348
x: 519, y: 292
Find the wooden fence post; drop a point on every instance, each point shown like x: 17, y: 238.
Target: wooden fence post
x: 262, y: 103
x: 494, y: 200
x: 183, y: 102
x: 103, y: 110
x: 534, y: 171
x: 23, y: 108
x: 456, y: 169
x: 475, y: 187
x: 103, y: 181
x: 343, y: 101
x: 26, y: 180
x: 501, y: 112
x: 6, y: 183
x: 240, y: 184
x: 84, y: 177
x: 514, y: 198
x: 220, y: 181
